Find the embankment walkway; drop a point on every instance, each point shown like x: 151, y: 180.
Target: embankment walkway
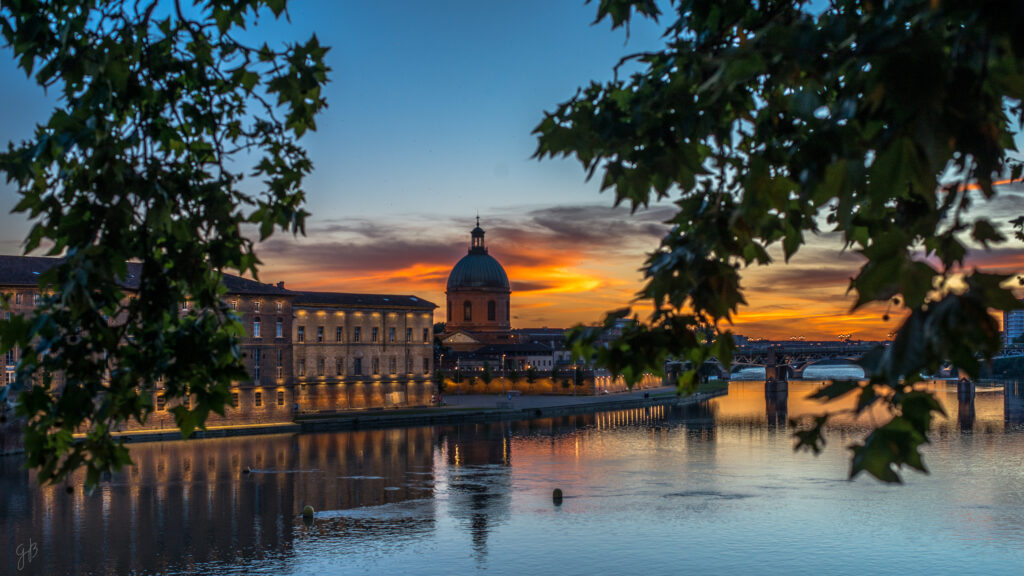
x: 457, y: 409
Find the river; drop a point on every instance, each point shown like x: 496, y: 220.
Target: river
x: 708, y: 489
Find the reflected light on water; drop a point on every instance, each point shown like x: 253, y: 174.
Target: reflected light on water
x: 712, y: 488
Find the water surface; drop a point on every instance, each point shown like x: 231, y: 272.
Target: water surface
x: 714, y: 488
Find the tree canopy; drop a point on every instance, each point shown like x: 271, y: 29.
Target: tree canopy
x: 163, y: 110
x: 887, y: 123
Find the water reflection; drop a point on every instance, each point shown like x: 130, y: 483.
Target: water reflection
x: 478, y: 496
x: 215, y: 501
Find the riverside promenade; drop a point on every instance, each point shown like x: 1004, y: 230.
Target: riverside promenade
x: 470, y: 408
x: 457, y: 409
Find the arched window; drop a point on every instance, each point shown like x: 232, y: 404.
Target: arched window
x: 467, y: 311
x: 492, y: 308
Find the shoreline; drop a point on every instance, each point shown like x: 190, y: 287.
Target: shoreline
x: 460, y: 409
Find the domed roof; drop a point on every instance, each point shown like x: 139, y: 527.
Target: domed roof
x: 477, y: 270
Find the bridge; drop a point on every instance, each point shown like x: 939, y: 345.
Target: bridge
x: 788, y: 359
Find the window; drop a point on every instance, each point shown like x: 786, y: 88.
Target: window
x: 186, y: 401
x: 355, y: 334
x: 17, y: 298
x: 278, y: 328
x: 339, y: 367
x: 36, y: 298
x: 302, y: 334
x: 277, y: 305
x: 408, y: 365
x: 256, y: 364
x: 391, y: 334
x: 255, y: 305
x: 492, y: 308
x: 319, y: 366
x: 319, y: 333
x: 357, y: 367
x: 426, y: 365
x: 258, y: 399
x: 302, y: 366
x: 255, y: 327
x: 161, y: 402
x: 234, y: 399
x: 234, y: 304
x: 408, y: 334
x: 376, y: 366
x: 426, y: 335
x: 373, y: 337
x: 467, y: 311
x: 392, y: 366
x: 184, y: 304
x: 280, y: 372
x: 280, y: 397
x: 337, y: 333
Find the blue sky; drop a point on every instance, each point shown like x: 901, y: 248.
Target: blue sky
x: 431, y: 109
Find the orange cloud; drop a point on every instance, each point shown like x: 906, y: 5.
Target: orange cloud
x: 570, y: 265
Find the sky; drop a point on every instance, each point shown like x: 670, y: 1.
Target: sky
x: 431, y: 109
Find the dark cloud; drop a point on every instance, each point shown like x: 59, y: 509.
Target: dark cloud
x: 352, y: 256
x: 559, y: 235
x: 799, y: 278
x: 532, y: 286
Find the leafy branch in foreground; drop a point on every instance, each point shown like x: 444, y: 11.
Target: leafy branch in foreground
x: 886, y: 121
x: 136, y: 165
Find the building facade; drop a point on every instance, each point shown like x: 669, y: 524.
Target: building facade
x: 367, y: 350
x: 478, y: 298
x: 362, y: 350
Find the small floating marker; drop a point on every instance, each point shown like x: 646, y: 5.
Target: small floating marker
x: 308, y: 511
x: 556, y: 496
x: 247, y: 470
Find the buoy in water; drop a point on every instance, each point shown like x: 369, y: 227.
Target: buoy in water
x: 307, y: 512
x: 556, y: 496
x: 247, y: 470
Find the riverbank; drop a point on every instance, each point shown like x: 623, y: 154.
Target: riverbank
x: 457, y: 409
x: 476, y: 408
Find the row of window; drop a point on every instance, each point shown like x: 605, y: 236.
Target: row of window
x: 357, y: 366
x: 257, y: 328
x: 161, y: 403
x: 467, y: 311
x: 357, y: 334
x: 19, y: 297
x: 257, y: 305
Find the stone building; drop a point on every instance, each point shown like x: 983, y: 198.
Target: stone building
x: 304, y: 351
x: 478, y: 294
x: 362, y: 350
x: 265, y: 312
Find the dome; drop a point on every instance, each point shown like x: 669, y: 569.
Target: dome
x: 477, y: 270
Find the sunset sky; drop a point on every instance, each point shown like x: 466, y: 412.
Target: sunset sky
x: 431, y: 108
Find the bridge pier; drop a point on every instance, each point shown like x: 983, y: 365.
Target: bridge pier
x: 965, y: 413
x: 1013, y: 403
x: 776, y: 403
x: 965, y: 390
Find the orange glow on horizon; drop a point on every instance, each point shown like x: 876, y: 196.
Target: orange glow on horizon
x: 580, y: 283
